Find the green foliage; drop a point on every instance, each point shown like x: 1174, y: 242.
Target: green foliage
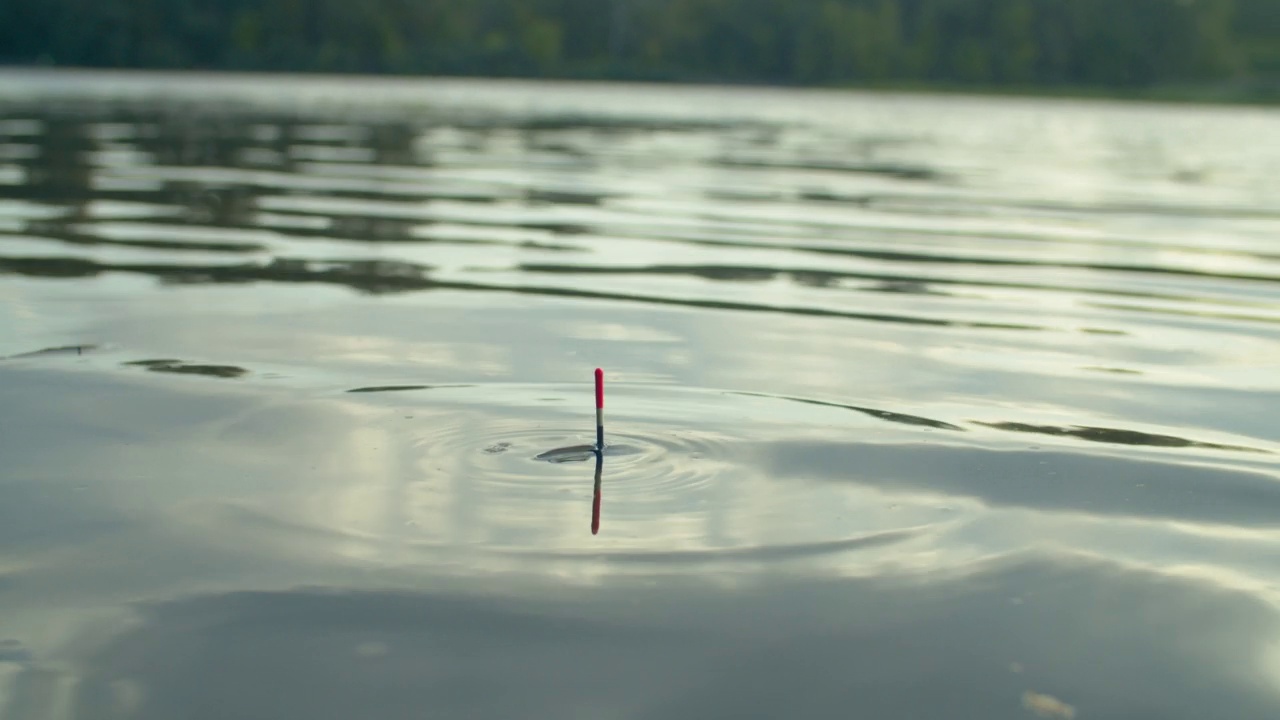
x: 1107, y: 43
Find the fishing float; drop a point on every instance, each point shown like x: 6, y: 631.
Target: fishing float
x: 599, y: 410
x: 595, y: 499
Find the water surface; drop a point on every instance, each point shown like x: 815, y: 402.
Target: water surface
x: 917, y: 407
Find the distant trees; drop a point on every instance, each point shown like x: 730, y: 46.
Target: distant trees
x: 1111, y: 43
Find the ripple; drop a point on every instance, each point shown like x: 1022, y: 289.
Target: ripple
x: 573, y: 453
x: 378, y: 276
x: 519, y: 459
x: 179, y: 367
x: 886, y: 415
x: 1118, y: 436
x: 782, y: 551
x: 401, y: 388
x: 55, y: 352
x: 516, y: 466
x: 896, y: 171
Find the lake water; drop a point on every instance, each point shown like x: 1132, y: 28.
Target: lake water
x: 916, y: 407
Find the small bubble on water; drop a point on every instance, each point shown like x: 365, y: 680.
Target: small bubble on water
x: 497, y: 448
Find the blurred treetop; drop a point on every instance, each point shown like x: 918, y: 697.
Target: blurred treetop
x: 1120, y: 44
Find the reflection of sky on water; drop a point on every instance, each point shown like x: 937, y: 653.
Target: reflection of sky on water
x: 928, y: 406
x: 1084, y: 630
x: 204, y: 487
x: 402, y: 479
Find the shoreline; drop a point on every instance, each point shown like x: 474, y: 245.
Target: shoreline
x: 1257, y: 94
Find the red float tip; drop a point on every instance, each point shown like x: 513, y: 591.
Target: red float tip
x: 599, y: 388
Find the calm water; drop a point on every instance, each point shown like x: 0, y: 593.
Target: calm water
x: 917, y: 407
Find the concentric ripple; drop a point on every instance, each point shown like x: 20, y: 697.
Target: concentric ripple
x: 525, y: 458
x: 517, y: 461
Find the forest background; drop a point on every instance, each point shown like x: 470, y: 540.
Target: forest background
x: 1197, y: 49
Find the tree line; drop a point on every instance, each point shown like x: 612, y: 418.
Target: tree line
x: 1025, y: 43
